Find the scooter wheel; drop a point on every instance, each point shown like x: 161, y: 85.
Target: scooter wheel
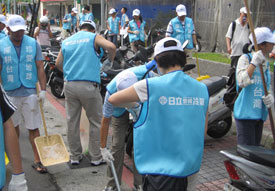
x: 57, y: 90
x: 220, y: 128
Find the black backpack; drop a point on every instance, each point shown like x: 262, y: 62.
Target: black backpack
x: 231, y: 93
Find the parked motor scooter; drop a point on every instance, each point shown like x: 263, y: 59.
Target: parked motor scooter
x: 219, y: 115
x: 251, y: 169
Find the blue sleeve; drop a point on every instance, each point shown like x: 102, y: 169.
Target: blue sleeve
x: 108, y: 108
x: 38, y: 52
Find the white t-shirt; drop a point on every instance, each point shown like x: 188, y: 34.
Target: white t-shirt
x: 141, y: 90
x: 240, y: 38
x: 43, y: 37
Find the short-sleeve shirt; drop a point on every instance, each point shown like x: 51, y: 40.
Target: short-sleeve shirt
x: 240, y: 38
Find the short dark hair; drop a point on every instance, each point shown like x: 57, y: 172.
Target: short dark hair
x: 125, y: 9
x: 87, y: 26
x: 87, y: 7
x: 171, y: 58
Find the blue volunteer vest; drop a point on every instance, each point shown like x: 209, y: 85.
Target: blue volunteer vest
x: 133, y: 27
x: 89, y: 17
x: 2, y: 34
x: 67, y: 25
x: 18, y: 71
x: 81, y: 62
x: 183, y: 33
x: 139, y: 71
x: 249, y: 104
x: 114, y: 25
x: 81, y: 18
x: 2, y: 154
x: 123, y: 17
x: 169, y: 134
x: 74, y: 21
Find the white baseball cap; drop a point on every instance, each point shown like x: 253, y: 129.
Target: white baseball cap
x: 16, y: 23
x: 160, y: 46
x: 243, y: 10
x: 181, y: 10
x: 74, y: 10
x: 112, y: 11
x: 3, y: 19
x: 125, y: 79
x: 136, y: 12
x: 44, y: 19
x: 89, y: 22
x: 263, y: 34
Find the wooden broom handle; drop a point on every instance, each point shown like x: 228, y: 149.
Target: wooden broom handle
x: 42, y: 111
x: 251, y: 26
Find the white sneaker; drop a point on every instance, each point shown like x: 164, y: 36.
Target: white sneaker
x: 74, y: 162
x: 109, y: 188
x: 98, y: 162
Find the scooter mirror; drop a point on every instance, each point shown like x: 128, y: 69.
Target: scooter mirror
x: 185, y: 44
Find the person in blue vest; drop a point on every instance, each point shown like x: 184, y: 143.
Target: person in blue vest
x: 136, y: 30
x: 250, y: 108
x: 3, y: 23
x: 182, y: 28
x: 21, y: 65
x: 88, y: 14
x: 81, y: 17
x: 79, y: 59
x: 68, y: 22
x: 120, y: 123
x: 168, y: 142
x: 9, y: 143
x: 113, y: 26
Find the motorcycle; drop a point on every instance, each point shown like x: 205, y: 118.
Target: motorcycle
x: 219, y: 115
x: 251, y: 169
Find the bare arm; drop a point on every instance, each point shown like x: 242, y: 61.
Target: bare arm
x: 49, y: 30
x: 194, y: 37
x: 36, y: 32
x: 41, y: 74
x: 228, y: 45
x: 105, y: 122
x: 12, y: 147
x: 127, y: 95
x: 59, y: 61
x: 102, y: 42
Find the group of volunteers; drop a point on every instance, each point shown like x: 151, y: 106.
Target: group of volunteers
x: 163, y: 100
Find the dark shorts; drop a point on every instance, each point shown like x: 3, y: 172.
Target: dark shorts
x: 234, y: 61
x: 164, y: 183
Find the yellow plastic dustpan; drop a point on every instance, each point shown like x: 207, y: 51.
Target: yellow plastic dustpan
x: 51, y: 148
x: 200, y: 77
x: 6, y: 159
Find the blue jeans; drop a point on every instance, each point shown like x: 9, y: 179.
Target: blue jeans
x: 249, y: 132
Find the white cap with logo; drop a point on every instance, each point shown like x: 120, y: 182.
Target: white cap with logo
x: 136, y: 12
x: 181, y: 10
x: 89, y: 22
x: 263, y: 34
x: 112, y: 11
x: 16, y: 23
x: 3, y: 19
x: 125, y: 79
x: 74, y: 10
x: 243, y: 10
x: 160, y: 46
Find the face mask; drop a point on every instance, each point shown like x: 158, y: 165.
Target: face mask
x: 244, y: 18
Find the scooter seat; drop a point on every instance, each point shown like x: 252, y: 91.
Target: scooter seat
x: 214, y: 84
x: 257, y: 154
x: 112, y: 72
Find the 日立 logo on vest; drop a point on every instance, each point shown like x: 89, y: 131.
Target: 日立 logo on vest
x: 162, y: 100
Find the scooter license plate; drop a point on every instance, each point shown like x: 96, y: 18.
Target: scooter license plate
x: 229, y: 187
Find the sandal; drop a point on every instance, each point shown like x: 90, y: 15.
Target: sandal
x: 39, y: 167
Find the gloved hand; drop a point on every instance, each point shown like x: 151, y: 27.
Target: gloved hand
x: 268, y: 100
x: 106, y: 155
x: 18, y: 183
x: 258, y: 58
x: 41, y: 96
x: 69, y: 19
x: 136, y: 32
x: 134, y: 111
x: 197, y: 48
x: 118, y: 37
